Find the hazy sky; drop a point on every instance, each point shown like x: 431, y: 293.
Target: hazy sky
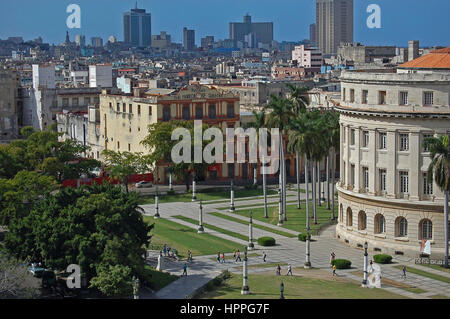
x: 402, y: 20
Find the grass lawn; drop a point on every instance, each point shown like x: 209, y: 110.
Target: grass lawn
x: 237, y: 220
x: 182, y: 238
x: 212, y: 227
x: 158, y: 279
x: 424, y: 273
x: 439, y: 297
x: 266, y: 286
x: 395, y: 284
x: 437, y: 267
x: 296, y: 217
x: 265, y: 265
x: 206, y: 196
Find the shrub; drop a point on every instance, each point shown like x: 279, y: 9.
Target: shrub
x: 382, y: 259
x: 170, y: 192
x: 248, y: 187
x: 303, y: 237
x: 266, y: 241
x: 341, y: 263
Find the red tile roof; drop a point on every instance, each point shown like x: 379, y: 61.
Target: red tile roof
x: 438, y: 59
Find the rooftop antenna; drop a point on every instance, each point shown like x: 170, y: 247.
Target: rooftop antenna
x: 136, y: 5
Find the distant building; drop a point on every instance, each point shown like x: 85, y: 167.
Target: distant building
x: 43, y: 76
x: 10, y: 106
x: 365, y: 54
x: 161, y: 41
x: 137, y: 28
x: 100, y: 76
x: 80, y: 40
x: 307, y: 57
x: 263, y: 31
x: 293, y: 73
x: 207, y: 42
x: 188, y: 39
x: 334, y: 24
x: 97, y: 42
x: 312, y: 33
x: 413, y: 50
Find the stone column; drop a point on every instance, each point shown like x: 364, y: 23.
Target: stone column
x: 255, y: 174
x: 391, y: 171
x: 194, y: 193
x: 415, y: 174
x: 160, y: 265
x: 373, y: 173
x: 251, y: 246
x: 280, y: 209
x: 156, y: 205
x: 201, y: 230
x: 245, y: 288
x: 264, y: 188
x: 307, y: 256
x: 232, y: 208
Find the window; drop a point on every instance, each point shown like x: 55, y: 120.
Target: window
x: 87, y: 100
x: 130, y: 106
x: 428, y: 98
x: 129, y: 147
x: 75, y: 101
x: 352, y: 136
x: 349, y: 217
x: 118, y: 145
x: 341, y: 214
x: 186, y: 112
x: 365, y: 97
x: 382, y: 97
x: 426, y: 229
x: 362, y: 220
x: 425, y: 136
x: 382, y: 180
x: 352, y: 174
x: 124, y: 108
x: 366, y: 178
x: 150, y: 111
x: 383, y: 140
x: 401, y: 227
x: 403, y: 98
x: 230, y: 110
x: 404, y: 142
x: 343, y: 95
x: 212, y: 111
x: 199, y: 112
x: 404, y: 183
x: 231, y: 170
x: 365, y: 141
x: 427, y: 187
x: 380, y: 224
x: 352, y: 95
x: 65, y: 102
x: 139, y: 110
x: 118, y: 107
x: 166, y: 113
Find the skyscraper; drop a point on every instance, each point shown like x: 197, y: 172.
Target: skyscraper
x: 263, y: 31
x: 334, y: 24
x: 188, y: 39
x: 312, y: 33
x: 137, y: 28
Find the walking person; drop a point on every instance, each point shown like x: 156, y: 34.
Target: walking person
x: 278, y: 270
x: 184, y: 270
x: 334, y: 270
x: 234, y: 254
x: 218, y: 256
x: 165, y: 250
x: 223, y: 257
x: 264, y: 256
x: 332, y: 257
x: 238, y: 256
x: 289, y: 272
x: 168, y: 250
x: 404, y: 272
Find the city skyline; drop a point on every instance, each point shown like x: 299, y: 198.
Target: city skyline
x: 291, y: 19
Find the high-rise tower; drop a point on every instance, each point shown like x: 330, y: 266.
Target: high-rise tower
x: 137, y: 27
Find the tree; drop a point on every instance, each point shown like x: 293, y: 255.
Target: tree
x: 333, y: 143
x: 123, y: 164
x: 93, y: 226
x: 113, y: 281
x: 440, y: 168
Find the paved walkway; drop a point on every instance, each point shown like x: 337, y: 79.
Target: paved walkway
x: 288, y: 250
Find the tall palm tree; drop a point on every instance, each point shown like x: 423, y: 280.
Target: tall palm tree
x: 300, y: 100
x: 333, y: 140
x: 440, y: 167
x: 280, y: 115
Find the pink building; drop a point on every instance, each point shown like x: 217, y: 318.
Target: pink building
x: 307, y: 57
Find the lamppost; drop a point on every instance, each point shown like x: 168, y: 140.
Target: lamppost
x: 264, y: 187
x: 201, y: 230
x: 170, y: 182
x: 245, y: 288
x: 194, y: 194
x: 280, y: 209
x: 251, y: 246
x: 156, y: 204
x: 364, y: 282
x: 135, y: 282
x: 232, y: 208
x: 281, y: 290
x: 308, y: 257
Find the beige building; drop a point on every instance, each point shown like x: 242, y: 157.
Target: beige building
x: 10, y: 107
x: 334, y: 24
x: 384, y: 196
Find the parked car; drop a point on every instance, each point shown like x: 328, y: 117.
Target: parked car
x: 144, y: 184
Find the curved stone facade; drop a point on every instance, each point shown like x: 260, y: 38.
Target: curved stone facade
x: 384, y: 196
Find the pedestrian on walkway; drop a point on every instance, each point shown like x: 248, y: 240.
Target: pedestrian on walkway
x: 218, y: 256
x: 189, y: 256
x: 371, y: 266
x: 165, y: 250
x: 278, y: 270
x: 234, y: 254
x: 223, y: 257
x: 238, y: 255
x: 404, y: 272
x: 332, y: 257
x: 334, y: 270
x: 168, y: 250
x: 289, y: 272
x: 264, y: 256
x: 184, y: 270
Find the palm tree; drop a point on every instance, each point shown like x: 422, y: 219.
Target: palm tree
x: 258, y: 123
x: 334, y: 140
x: 279, y: 117
x: 440, y: 167
x: 299, y: 100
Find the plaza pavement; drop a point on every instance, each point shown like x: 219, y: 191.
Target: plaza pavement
x: 288, y: 250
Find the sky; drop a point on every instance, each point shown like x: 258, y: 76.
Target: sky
x: 401, y: 20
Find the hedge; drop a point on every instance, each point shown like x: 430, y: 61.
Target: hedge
x: 382, y: 259
x: 341, y: 263
x: 303, y: 237
x: 266, y: 241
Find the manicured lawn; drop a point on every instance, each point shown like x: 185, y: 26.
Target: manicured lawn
x: 424, y: 273
x: 182, y: 238
x: 233, y: 219
x: 212, y: 227
x: 206, y: 196
x: 437, y: 267
x: 158, y: 279
x: 439, y: 297
x: 395, y: 284
x: 296, y: 217
x: 295, y: 287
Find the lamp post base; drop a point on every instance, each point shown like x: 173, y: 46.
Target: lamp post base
x: 245, y: 291
x: 251, y: 246
x: 200, y: 230
x: 156, y: 216
x: 232, y: 209
x: 307, y: 265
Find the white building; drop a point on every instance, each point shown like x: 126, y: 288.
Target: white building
x: 100, y: 75
x: 307, y: 57
x: 43, y: 76
x: 384, y: 196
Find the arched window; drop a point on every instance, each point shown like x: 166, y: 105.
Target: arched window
x: 341, y: 214
x: 362, y: 220
x: 349, y: 217
x: 426, y: 229
x: 401, y: 227
x: 380, y: 224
